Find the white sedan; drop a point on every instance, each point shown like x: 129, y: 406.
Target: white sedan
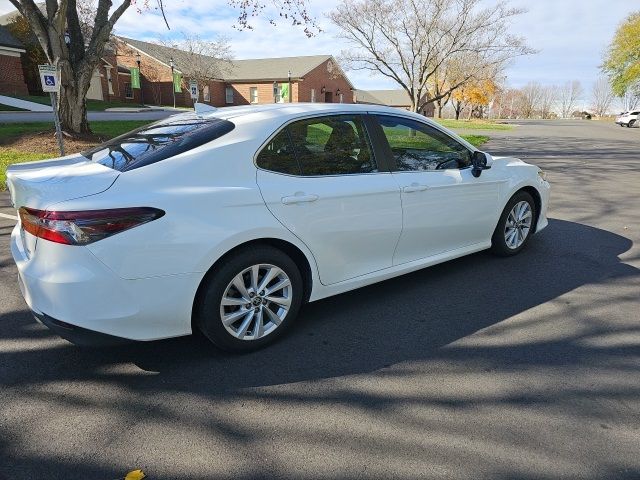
x: 230, y: 220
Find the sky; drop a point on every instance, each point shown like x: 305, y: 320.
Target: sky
x: 570, y: 35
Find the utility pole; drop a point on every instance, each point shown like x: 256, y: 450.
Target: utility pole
x: 140, y: 75
x: 173, y: 80
x: 290, y: 92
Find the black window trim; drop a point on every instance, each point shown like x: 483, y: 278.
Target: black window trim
x: 384, y: 167
x: 386, y: 148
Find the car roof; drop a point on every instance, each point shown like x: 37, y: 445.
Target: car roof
x: 284, y: 111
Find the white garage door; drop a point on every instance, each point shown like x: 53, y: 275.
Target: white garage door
x: 95, y: 88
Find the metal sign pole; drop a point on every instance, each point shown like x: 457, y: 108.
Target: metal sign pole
x: 56, y: 120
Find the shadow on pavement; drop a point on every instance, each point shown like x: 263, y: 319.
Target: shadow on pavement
x: 417, y: 317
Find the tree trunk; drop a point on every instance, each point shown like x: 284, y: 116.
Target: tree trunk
x: 72, y: 107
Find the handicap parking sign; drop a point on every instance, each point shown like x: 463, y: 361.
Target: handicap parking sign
x: 49, y: 78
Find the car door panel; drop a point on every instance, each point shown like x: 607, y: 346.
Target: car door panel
x: 443, y: 208
x: 455, y: 210
x: 352, y: 225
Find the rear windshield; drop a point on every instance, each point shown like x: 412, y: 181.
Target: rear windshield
x: 158, y: 141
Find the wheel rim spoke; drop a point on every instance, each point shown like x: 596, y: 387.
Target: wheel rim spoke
x: 238, y: 282
x: 272, y: 273
x: 233, y: 317
x: 282, y: 301
x: 272, y: 316
x: 234, y: 301
x: 244, y: 326
x: 278, y: 286
x: 258, y: 327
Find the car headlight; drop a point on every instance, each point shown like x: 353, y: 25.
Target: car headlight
x: 543, y: 175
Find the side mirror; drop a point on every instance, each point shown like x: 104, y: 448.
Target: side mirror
x: 481, y: 161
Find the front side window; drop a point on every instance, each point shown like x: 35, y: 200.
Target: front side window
x: 419, y: 147
x: 335, y: 145
x: 158, y: 141
x: 228, y: 93
x: 253, y: 94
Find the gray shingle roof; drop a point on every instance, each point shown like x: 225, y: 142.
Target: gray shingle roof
x: 8, y: 40
x: 268, y: 69
x: 393, y: 98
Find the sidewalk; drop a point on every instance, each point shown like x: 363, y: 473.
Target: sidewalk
x: 24, y: 104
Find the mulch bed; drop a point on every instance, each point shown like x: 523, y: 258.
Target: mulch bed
x: 46, y: 142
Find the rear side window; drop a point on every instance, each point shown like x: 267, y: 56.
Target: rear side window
x: 278, y: 155
x: 329, y: 145
x: 158, y: 141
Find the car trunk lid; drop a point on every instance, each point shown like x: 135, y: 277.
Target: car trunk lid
x: 41, y: 185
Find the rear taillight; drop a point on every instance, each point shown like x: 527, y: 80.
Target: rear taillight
x: 83, y: 227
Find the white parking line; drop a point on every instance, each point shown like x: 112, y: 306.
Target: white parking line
x: 10, y: 217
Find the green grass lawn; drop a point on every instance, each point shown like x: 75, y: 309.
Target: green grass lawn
x: 9, y: 155
x: 472, y: 124
x: 102, y: 129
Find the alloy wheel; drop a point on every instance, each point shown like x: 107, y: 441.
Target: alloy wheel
x: 256, y: 302
x: 518, y: 225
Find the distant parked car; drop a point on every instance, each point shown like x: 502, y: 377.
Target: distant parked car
x: 229, y: 220
x: 628, y: 119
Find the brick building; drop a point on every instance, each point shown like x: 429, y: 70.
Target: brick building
x: 11, y: 75
x: 315, y: 78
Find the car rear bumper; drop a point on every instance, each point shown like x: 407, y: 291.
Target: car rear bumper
x: 79, y: 335
x: 73, y: 293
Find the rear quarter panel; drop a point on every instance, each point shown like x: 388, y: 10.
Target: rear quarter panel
x: 212, y: 204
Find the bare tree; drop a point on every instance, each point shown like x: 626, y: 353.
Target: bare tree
x: 601, y: 96
x: 569, y: 94
x: 530, y: 100
x: 631, y: 98
x: 199, y: 59
x: 409, y: 41
x: 548, y: 99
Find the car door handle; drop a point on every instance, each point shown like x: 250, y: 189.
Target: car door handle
x: 414, y: 187
x: 299, y: 198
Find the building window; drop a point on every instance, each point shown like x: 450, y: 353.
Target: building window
x: 341, y: 97
x: 128, y: 91
x: 313, y: 95
x: 228, y: 94
x: 253, y: 94
x: 205, y: 93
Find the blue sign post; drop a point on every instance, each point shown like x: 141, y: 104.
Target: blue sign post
x: 50, y: 79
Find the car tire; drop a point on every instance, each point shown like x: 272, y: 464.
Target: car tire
x: 518, y: 219
x: 254, y: 326
x: 630, y: 124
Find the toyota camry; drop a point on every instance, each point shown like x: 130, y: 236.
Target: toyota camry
x: 229, y: 220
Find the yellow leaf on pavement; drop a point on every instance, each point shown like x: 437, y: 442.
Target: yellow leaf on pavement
x: 135, y: 475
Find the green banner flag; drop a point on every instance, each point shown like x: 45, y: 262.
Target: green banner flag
x: 177, y: 82
x: 284, y: 92
x: 135, y: 77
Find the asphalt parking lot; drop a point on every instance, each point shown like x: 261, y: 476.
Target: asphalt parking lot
x: 481, y: 368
